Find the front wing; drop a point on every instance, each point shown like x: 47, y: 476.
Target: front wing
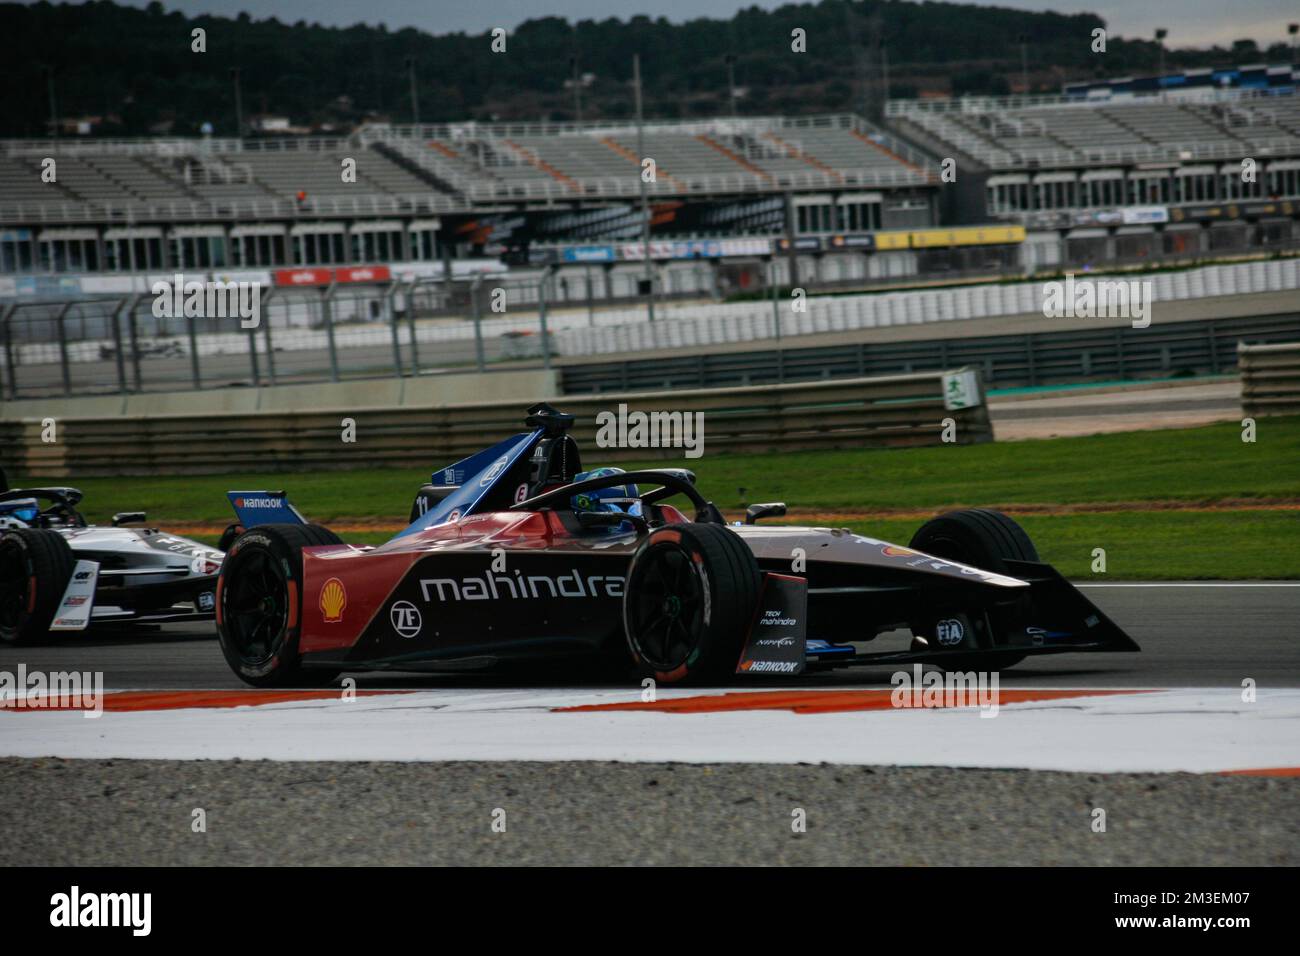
x: 1062, y: 620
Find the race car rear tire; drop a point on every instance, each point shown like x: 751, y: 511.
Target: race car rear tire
x: 689, y: 601
x: 232, y: 532
x: 984, y: 539
x: 259, y: 605
x: 35, y: 567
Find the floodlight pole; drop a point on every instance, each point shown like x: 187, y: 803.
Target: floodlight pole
x: 54, y: 109
x: 1161, y: 33
x: 415, y: 98
x: 577, y: 89
x: 239, y: 104
x: 645, y: 203
x: 731, y: 81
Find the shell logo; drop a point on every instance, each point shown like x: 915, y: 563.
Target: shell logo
x: 333, y: 599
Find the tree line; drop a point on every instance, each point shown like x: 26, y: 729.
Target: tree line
x: 136, y: 71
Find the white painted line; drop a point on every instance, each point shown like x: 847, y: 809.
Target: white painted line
x: 1194, y: 730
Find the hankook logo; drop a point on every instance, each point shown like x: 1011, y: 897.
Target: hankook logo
x: 258, y: 502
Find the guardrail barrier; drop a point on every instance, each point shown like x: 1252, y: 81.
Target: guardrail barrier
x: 852, y: 413
x: 1270, y: 378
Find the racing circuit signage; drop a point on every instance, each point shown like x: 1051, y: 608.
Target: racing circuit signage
x: 342, y: 275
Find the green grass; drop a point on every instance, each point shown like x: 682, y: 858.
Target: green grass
x: 1210, y: 463
x: 1153, y: 545
x: 1194, y: 465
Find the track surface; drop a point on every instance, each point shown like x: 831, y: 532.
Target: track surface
x: 1192, y: 635
x: 96, y: 812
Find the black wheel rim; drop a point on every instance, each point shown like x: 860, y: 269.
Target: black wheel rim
x: 666, y: 609
x: 256, y: 605
x: 14, y: 584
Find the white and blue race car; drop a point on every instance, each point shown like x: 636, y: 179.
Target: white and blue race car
x: 58, y: 573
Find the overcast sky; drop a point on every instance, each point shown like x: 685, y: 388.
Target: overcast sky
x: 1190, y: 22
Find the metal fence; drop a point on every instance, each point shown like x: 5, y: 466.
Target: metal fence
x: 120, y: 345
x: 1044, y: 358
x: 1270, y: 378
x: 893, y: 410
x: 427, y: 326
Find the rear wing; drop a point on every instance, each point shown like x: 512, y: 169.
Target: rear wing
x: 253, y: 508
x: 474, y: 477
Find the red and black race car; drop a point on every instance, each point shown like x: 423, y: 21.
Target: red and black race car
x: 514, y: 553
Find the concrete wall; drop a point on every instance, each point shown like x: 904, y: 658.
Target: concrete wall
x: 892, y: 410
x: 525, y: 387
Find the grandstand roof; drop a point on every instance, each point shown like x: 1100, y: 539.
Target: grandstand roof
x: 1064, y: 131
x: 445, y: 168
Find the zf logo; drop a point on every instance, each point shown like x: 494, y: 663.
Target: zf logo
x: 405, y: 617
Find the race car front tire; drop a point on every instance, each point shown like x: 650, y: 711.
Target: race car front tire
x: 984, y: 539
x: 259, y: 605
x: 690, y: 598
x: 35, y: 567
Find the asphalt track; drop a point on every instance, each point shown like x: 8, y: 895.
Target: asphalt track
x: 140, y: 812
x: 1192, y: 635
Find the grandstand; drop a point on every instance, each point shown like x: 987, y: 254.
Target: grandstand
x: 1136, y: 175
x: 462, y: 165
x: 485, y: 183
x: 1056, y: 131
x: 1069, y: 154
x: 483, y: 162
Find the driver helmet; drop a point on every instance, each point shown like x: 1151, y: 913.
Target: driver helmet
x: 595, y: 500
x: 23, y: 509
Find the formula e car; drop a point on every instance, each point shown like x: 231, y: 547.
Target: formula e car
x: 58, y: 573
x: 514, y: 554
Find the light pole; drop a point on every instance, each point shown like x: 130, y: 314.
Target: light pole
x: 239, y: 104
x: 577, y: 88
x: 645, y: 203
x: 54, y: 108
x: 884, y: 70
x: 415, y: 97
x: 1161, y: 33
x: 1024, y: 63
x: 1292, y: 29
x: 731, y: 81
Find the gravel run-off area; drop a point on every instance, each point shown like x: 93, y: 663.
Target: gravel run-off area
x: 114, y: 812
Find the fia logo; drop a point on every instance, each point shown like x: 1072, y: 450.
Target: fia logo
x: 950, y: 632
x: 405, y: 618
